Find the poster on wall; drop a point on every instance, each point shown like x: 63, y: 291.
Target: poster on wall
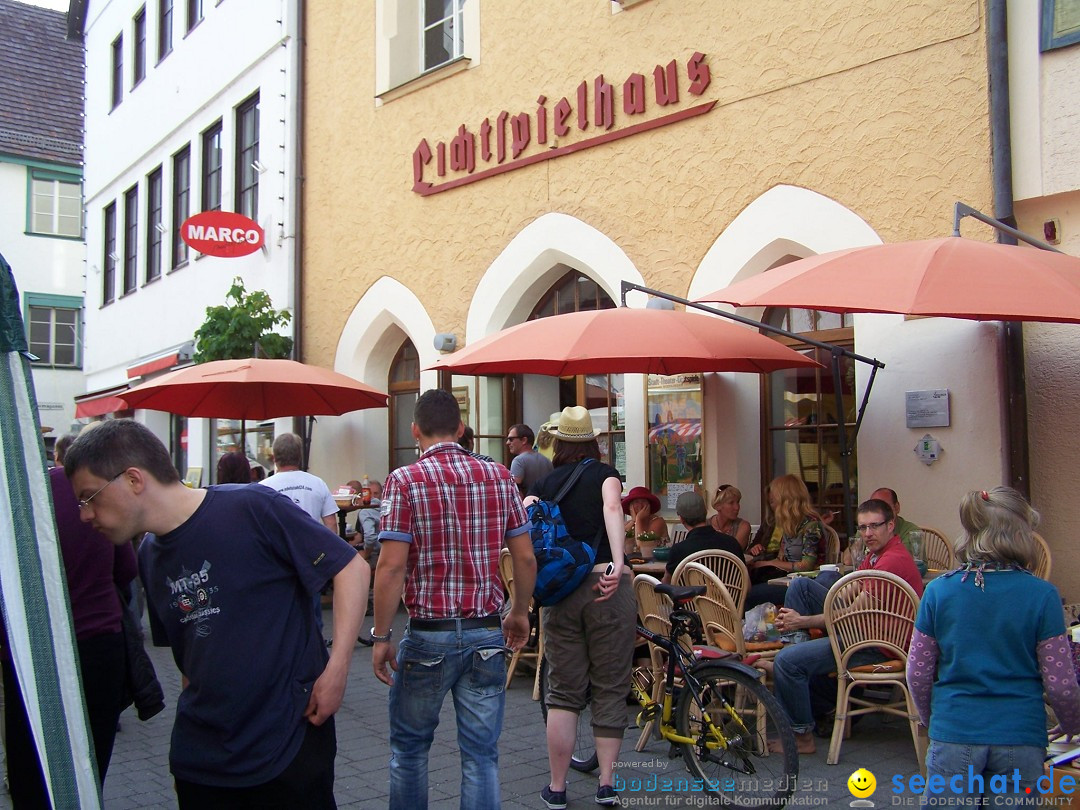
x: 675, y: 439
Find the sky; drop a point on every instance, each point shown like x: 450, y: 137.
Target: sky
x: 55, y: 5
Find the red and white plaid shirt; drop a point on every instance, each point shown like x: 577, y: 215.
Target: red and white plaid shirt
x: 456, y: 511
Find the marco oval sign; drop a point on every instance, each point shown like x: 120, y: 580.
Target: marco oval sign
x: 222, y: 233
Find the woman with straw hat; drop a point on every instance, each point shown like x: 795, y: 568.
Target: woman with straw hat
x: 589, y: 636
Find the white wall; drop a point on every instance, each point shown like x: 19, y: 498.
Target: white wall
x: 240, y: 47
x: 48, y: 266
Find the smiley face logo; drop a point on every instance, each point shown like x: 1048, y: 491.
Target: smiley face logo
x: 862, y: 783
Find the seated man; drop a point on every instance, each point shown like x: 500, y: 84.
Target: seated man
x: 796, y: 664
x: 904, y: 528
x: 701, y: 536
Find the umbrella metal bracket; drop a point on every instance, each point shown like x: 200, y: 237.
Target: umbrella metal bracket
x: 960, y: 210
x: 835, y: 352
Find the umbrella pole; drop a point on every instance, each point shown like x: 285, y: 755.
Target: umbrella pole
x: 845, y: 453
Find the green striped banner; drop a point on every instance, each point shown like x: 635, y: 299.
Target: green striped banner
x: 33, y: 590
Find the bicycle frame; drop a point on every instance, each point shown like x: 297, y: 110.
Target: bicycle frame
x: 682, y: 660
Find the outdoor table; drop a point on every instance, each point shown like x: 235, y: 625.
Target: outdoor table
x: 654, y: 568
x: 345, y: 505
x: 932, y: 573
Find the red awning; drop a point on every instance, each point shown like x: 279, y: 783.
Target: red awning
x: 100, y: 403
x: 162, y: 363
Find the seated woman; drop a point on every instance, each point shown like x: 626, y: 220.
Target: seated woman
x: 792, y: 537
x: 643, y: 508
x: 727, y: 502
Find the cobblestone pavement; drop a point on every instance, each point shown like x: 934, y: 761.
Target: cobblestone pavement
x: 139, y: 774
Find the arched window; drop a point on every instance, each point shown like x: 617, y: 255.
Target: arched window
x: 602, y: 394
x: 404, y: 389
x: 800, y: 422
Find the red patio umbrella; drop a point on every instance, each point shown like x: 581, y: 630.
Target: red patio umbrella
x: 645, y: 341
x: 950, y: 277
x: 254, y: 389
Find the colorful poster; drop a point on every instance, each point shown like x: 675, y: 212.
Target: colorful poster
x: 675, y: 440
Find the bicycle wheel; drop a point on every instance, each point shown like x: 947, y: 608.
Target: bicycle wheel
x: 730, y: 752
x: 584, y: 757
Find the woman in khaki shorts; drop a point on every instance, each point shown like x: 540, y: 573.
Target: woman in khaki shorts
x: 589, y: 636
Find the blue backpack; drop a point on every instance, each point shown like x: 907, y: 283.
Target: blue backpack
x: 562, y: 563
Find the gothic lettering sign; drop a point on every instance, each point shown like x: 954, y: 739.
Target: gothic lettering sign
x: 502, y: 144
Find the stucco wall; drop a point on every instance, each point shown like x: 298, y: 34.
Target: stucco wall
x: 1052, y: 357
x: 880, y: 108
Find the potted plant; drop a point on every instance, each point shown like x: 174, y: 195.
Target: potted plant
x: 647, y: 543
x: 630, y: 543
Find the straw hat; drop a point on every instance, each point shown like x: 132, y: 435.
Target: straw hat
x: 575, y: 425
x: 640, y: 494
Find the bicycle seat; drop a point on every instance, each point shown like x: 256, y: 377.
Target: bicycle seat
x: 680, y: 594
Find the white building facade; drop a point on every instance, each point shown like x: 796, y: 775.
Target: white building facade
x: 191, y: 106
x: 41, y: 234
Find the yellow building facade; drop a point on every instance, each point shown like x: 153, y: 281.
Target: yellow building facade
x: 674, y: 144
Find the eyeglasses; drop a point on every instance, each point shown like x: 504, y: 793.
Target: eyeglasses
x: 86, y: 502
x: 511, y: 438
x: 870, y: 527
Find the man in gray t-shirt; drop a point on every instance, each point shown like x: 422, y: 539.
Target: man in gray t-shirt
x: 527, y: 466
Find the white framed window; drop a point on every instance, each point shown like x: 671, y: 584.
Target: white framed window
x: 443, y: 32
x: 54, y: 323
x: 55, y: 204
x: 415, y: 38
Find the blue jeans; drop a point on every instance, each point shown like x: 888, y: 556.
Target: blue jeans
x: 806, y: 596
x: 472, y: 665
x: 975, y: 765
x: 796, y: 664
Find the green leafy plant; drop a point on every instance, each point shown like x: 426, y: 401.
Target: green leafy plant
x: 243, y: 328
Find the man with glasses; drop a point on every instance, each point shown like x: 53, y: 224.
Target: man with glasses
x: 528, y: 466
x: 798, y: 664
x: 229, y: 574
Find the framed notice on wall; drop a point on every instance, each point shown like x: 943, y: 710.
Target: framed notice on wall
x: 927, y: 408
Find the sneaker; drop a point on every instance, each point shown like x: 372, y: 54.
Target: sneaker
x: 365, y: 640
x: 554, y: 799
x: 606, y: 795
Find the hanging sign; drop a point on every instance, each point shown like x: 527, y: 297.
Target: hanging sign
x: 222, y: 233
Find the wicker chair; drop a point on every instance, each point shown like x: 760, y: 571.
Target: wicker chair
x: 938, y: 551
x: 1044, y: 562
x: 530, y: 654
x: 832, y: 545
x: 654, y: 610
x: 728, y: 568
x: 867, y: 610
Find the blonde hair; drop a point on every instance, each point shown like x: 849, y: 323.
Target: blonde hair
x: 724, y: 494
x: 792, y: 504
x: 997, y: 527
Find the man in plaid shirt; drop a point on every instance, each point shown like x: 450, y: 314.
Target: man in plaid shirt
x: 444, y: 522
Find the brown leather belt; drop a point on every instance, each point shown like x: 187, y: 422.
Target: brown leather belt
x: 454, y: 624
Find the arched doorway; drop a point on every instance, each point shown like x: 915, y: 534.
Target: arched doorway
x: 403, y: 385
x: 601, y: 394
x: 800, y: 426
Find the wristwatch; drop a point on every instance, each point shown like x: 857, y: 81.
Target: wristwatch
x: 389, y: 635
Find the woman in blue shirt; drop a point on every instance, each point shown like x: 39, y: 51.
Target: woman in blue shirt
x: 989, y: 639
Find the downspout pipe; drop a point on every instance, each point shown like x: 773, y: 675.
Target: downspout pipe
x: 1011, y: 336
x: 296, y: 193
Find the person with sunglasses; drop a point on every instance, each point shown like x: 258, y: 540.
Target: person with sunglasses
x: 527, y: 466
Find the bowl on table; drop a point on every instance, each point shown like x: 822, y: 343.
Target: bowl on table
x: 662, y: 553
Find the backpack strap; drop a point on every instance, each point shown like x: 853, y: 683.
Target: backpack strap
x: 574, y: 476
